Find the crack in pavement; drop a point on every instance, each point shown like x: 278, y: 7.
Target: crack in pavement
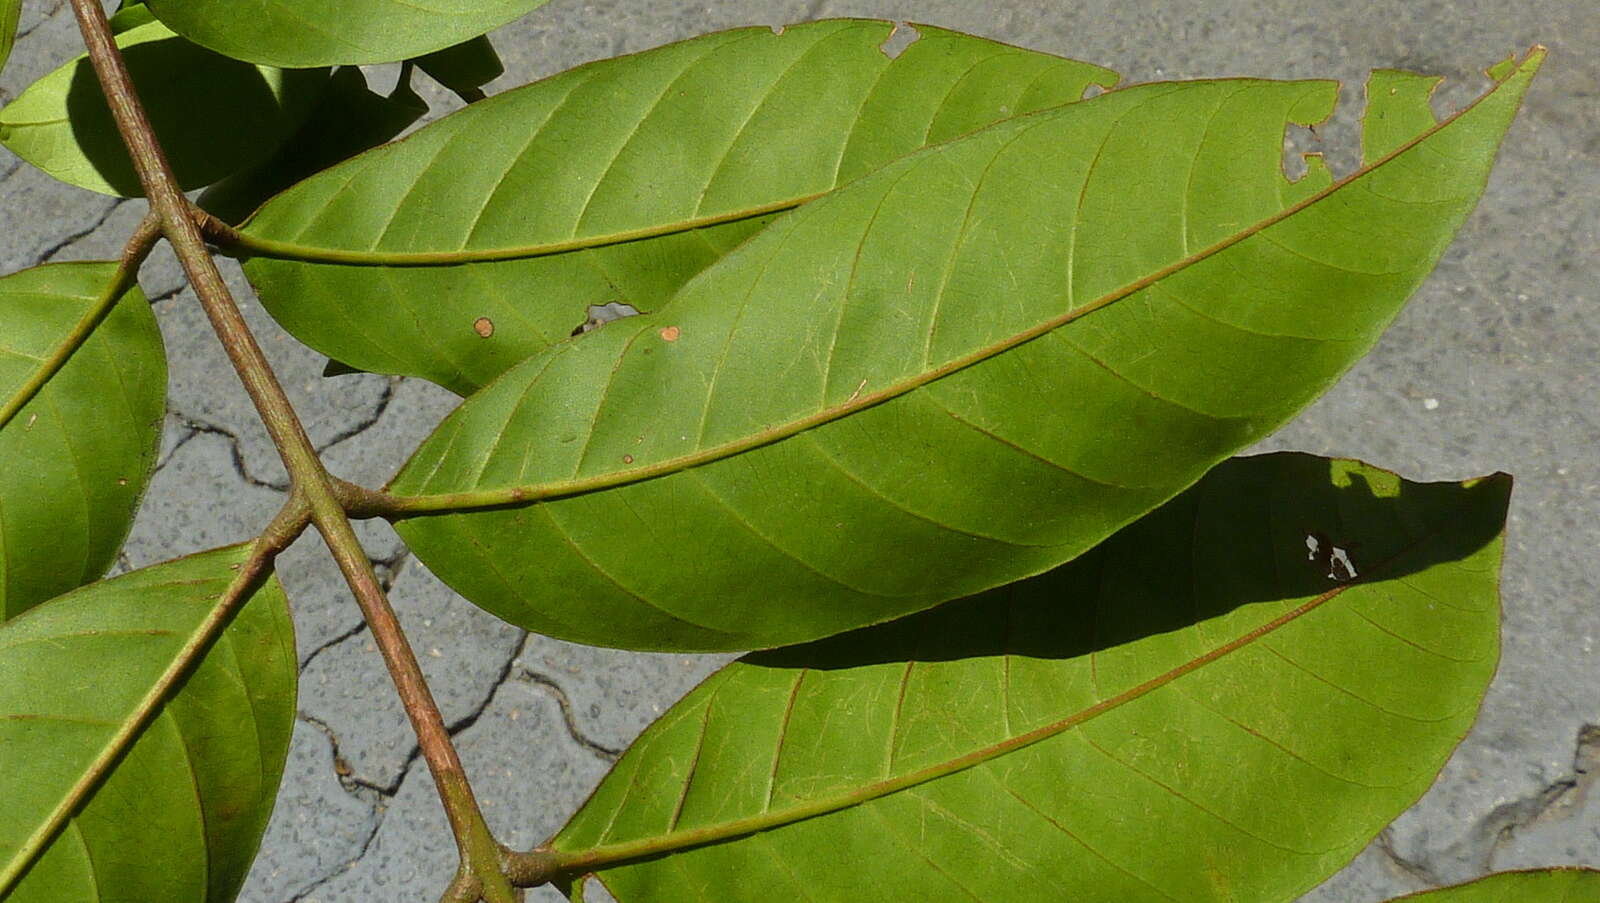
x: 1416, y: 870
x: 167, y: 295
x: 452, y: 728
x: 564, y: 703
x: 388, y: 570
x: 234, y: 444
x: 1559, y: 799
x: 378, y: 795
x: 311, y: 656
x: 75, y: 237
x: 180, y: 443
x: 1476, y: 849
x: 361, y: 427
x: 341, y: 767
x: 43, y: 18
x: 367, y: 795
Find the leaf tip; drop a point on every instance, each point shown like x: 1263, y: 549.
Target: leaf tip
x: 1530, y: 62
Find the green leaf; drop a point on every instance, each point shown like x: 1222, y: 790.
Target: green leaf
x: 349, y: 119
x: 130, y: 16
x: 1195, y: 685
x: 464, y: 68
x: 181, y: 813
x: 966, y: 368
x: 79, y: 451
x: 10, y: 14
x: 315, y: 33
x: 1559, y: 885
x: 214, y: 115
x: 618, y: 162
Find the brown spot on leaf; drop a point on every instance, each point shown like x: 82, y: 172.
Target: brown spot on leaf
x: 670, y: 333
x: 627, y: 459
x: 483, y: 326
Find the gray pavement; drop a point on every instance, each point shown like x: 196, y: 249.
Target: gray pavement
x: 1491, y: 367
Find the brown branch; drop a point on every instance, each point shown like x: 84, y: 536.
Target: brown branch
x: 310, y: 481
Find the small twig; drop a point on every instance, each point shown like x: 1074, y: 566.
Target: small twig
x: 215, y: 230
x: 309, y: 480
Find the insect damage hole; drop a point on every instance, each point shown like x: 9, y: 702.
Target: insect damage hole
x: 902, y: 37
x: 1331, y: 561
x: 601, y: 314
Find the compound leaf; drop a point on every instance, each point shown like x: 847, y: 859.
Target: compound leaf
x: 318, y: 33
x: 965, y: 368
x: 214, y: 115
x: 181, y: 812
x: 1191, y: 711
x: 78, y: 449
x: 441, y: 255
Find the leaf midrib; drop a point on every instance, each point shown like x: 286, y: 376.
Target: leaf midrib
x: 399, y: 507
x: 243, y: 243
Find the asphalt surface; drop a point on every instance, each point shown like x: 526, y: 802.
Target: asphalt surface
x: 1491, y: 367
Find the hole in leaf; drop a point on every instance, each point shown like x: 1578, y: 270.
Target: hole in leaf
x: 601, y: 314
x: 1330, y: 560
x: 382, y: 77
x: 1299, y: 140
x: 1093, y: 90
x: 902, y: 37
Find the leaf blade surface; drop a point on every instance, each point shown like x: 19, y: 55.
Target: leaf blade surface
x: 1193, y: 710
x: 616, y: 161
x: 300, y: 33
x: 1559, y: 885
x: 214, y: 115
x: 10, y: 14
x: 885, y: 368
x: 181, y: 813
x: 79, y: 454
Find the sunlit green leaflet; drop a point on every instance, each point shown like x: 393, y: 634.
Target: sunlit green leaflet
x: 180, y: 815
x: 624, y: 162
x: 10, y: 14
x: 1192, y: 711
x: 214, y: 115
x: 1544, y: 886
x: 324, y: 33
x: 77, y: 456
x: 968, y: 367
